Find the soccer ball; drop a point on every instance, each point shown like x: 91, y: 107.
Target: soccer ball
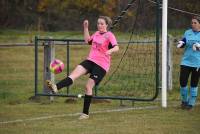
x: 56, y: 66
x: 79, y: 95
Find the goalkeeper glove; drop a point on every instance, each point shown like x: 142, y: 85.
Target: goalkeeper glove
x: 196, y: 46
x: 181, y: 43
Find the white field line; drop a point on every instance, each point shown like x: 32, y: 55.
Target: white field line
x: 76, y: 114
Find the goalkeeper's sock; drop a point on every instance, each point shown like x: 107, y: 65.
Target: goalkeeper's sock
x: 64, y: 83
x: 184, y: 94
x: 87, y: 101
x: 193, y: 96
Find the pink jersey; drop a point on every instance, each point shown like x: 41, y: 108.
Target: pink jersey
x: 101, y: 42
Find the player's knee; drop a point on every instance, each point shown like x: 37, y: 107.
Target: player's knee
x: 183, y: 83
x: 88, y: 89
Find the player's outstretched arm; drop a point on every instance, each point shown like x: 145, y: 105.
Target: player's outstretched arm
x: 86, y: 31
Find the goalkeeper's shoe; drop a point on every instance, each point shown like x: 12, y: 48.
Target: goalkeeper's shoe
x: 184, y: 105
x: 83, y: 116
x: 189, y: 107
x: 51, y: 86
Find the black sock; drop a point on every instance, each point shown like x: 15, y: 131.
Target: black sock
x: 64, y: 83
x: 87, y: 101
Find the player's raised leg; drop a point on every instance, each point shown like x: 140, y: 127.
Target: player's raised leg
x: 77, y: 72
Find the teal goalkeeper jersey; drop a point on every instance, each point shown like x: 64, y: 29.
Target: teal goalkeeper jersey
x: 190, y: 57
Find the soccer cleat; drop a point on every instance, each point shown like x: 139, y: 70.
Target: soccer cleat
x: 184, y: 105
x: 189, y: 107
x: 83, y: 116
x: 51, y: 86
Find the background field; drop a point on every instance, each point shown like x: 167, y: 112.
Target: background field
x: 40, y: 116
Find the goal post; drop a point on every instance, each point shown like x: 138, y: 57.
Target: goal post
x: 164, y: 53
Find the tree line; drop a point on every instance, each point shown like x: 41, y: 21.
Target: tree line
x: 53, y: 15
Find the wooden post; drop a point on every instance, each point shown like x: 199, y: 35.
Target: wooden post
x: 49, y: 55
x: 169, y: 63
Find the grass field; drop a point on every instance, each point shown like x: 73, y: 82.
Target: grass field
x: 20, y: 115
x: 142, y: 121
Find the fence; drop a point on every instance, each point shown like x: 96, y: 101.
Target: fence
x: 49, y: 55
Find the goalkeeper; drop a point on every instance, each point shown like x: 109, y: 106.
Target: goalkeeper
x: 190, y: 64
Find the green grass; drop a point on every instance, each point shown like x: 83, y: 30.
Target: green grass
x: 17, y: 86
x: 151, y: 121
x: 22, y: 36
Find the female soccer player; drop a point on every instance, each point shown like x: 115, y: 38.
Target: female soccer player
x: 103, y: 44
x: 190, y: 64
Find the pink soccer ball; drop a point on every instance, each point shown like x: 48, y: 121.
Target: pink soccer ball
x: 56, y: 66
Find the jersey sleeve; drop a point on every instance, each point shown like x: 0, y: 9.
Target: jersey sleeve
x: 91, y: 38
x: 112, y: 40
x: 184, y: 38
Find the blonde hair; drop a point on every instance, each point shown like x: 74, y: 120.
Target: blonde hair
x: 107, y: 20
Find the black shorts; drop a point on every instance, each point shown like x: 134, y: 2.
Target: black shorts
x: 96, y: 72
x: 185, y: 72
